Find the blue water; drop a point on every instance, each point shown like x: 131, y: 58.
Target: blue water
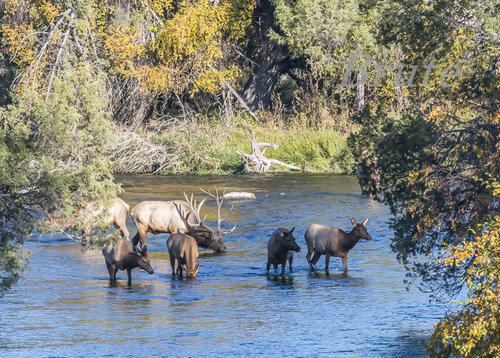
x: 65, y: 307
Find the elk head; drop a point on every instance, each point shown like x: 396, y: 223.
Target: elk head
x: 360, y: 229
x: 204, y: 235
x: 289, y: 239
x: 191, y: 272
x: 143, y: 259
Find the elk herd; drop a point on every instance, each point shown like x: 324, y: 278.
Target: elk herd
x: 182, y: 220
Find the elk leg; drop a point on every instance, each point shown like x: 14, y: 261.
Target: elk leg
x: 108, y: 266
x: 290, y: 259
x: 314, y: 260
x: 129, y: 274
x: 122, y: 226
x: 179, y: 268
x: 327, y: 262
x: 135, y: 240
x: 141, y: 235
x: 344, y: 262
x: 172, y: 263
x: 112, y: 272
x: 310, y: 250
x: 268, y: 265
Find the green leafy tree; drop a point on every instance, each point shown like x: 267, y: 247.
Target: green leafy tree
x: 54, y: 155
x: 433, y: 162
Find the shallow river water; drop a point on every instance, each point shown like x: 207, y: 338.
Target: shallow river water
x: 65, y: 307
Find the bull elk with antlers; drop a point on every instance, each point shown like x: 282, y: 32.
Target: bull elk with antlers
x: 180, y: 216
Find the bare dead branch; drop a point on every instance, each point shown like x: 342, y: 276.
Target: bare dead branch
x: 257, y: 161
x: 62, y: 231
x: 91, y: 37
x: 134, y: 154
x: 219, y: 199
x: 33, y: 68
x: 59, y: 54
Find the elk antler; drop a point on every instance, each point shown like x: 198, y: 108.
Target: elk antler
x: 184, y: 219
x: 219, y: 199
x: 194, y: 209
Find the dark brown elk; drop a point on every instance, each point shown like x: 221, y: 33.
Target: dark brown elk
x: 333, y: 241
x: 120, y: 256
x: 179, y: 216
x: 184, y: 249
x: 280, y: 249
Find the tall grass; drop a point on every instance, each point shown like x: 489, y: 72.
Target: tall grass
x: 210, y: 148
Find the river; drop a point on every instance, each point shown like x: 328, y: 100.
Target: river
x: 65, y: 307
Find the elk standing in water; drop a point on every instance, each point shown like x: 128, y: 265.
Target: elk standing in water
x: 120, y: 256
x: 333, y: 241
x: 116, y: 215
x: 184, y: 249
x: 118, y: 218
x: 179, y: 216
x: 280, y: 249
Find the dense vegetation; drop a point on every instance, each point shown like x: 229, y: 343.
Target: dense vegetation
x: 89, y: 88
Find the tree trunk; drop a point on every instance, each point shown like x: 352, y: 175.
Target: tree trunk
x: 272, y: 58
x: 273, y: 62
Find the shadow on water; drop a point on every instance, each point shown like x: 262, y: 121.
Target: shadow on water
x: 409, y: 343
x: 280, y: 280
x: 122, y: 287
x: 338, y: 279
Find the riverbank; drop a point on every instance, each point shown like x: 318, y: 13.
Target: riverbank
x: 210, y: 148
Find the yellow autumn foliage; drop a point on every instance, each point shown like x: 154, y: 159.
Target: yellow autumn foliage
x: 124, y: 48
x: 48, y: 10
x: 474, y: 331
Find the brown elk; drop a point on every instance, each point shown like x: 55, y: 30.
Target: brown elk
x: 333, y: 241
x: 280, y: 249
x: 116, y: 215
x: 120, y: 256
x: 184, y: 249
x: 180, y: 216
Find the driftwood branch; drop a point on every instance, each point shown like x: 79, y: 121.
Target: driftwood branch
x: 257, y: 161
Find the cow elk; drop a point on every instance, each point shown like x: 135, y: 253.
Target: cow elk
x: 280, y: 249
x: 333, y: 241
x: 180, y: 216
x: 184, y: 249
x: 120, y: 256
x: 116, y: 216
